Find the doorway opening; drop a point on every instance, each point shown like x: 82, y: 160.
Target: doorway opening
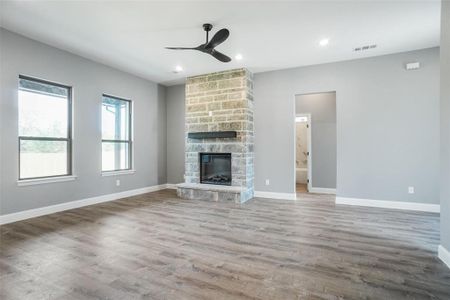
x: 302, y: 152
x: 315, y: 143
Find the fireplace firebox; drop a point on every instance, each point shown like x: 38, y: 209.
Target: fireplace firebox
x: 215, y: 168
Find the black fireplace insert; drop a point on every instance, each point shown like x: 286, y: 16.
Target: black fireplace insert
x: 215, y: 168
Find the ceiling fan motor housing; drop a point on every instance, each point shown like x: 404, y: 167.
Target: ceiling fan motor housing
x: 207, y: 27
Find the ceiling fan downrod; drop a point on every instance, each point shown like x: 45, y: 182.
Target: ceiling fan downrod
x: 207, y: 27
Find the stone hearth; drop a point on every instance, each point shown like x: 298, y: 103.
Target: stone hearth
x: 220, y: 101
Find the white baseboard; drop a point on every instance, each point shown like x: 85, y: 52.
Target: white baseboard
x: 37, y: 212
x: 283, y: 196
x: 444, y: 255
x: 319, y: 190
x: 172, y: 186
x: 389, y: 204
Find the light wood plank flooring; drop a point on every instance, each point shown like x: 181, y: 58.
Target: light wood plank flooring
x: 156, y: 246
x: 301, y: 188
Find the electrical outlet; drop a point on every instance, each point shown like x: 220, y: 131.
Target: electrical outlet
x: 410, y: 190
x: 118, y: 182
x: 267, y: 182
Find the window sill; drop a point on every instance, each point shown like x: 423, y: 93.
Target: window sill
x: 26, y: 182
x: 115, y: 173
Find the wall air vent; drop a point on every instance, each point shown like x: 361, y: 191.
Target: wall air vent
x: 364, y: 48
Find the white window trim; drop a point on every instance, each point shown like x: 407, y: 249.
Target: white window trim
x: 132, y: 110
x: 120, y: 172
x: 26, y: 182
x: 68, y: 177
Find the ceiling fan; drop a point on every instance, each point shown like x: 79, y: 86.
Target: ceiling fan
x: 209, y: 46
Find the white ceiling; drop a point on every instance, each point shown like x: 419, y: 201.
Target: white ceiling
x: 270, y: 35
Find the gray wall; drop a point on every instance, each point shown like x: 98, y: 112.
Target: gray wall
x: 175, y: 100
x: 387, y: 125
x: 20, y: 55
x: 322, y: 107
x: 445, y: 125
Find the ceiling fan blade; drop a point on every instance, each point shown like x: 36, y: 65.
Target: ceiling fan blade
x: 220, y: 56
x: 218, y: 38
x: 180, y: 48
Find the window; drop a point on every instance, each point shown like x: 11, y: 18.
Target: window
x: 45, y: 127
x: 116, y: 134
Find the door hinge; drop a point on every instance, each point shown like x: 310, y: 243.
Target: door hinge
x: 307, y: 180
x: 307, y: 153
x: 307, y: 125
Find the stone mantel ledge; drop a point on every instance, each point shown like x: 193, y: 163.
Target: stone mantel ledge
x: 211, y: 187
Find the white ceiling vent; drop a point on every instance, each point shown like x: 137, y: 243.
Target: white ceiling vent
x: 364, y: 48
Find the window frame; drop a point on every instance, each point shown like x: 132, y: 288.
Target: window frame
x: 129, y: 141
x: 68, y: 140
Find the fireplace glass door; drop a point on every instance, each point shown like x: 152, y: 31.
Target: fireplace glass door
x: 215, y: 168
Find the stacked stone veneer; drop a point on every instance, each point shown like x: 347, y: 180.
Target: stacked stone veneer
x: 220, y: 101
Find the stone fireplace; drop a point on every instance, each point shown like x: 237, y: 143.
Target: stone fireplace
x: 219, y: 137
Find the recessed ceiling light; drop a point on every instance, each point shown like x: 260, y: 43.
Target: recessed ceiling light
x: 178, y: 69
x: 238, y: 56
x: 324, y: 42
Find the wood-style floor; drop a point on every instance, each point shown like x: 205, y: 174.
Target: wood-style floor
x: 301, y: 188
x: 156, y: 246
